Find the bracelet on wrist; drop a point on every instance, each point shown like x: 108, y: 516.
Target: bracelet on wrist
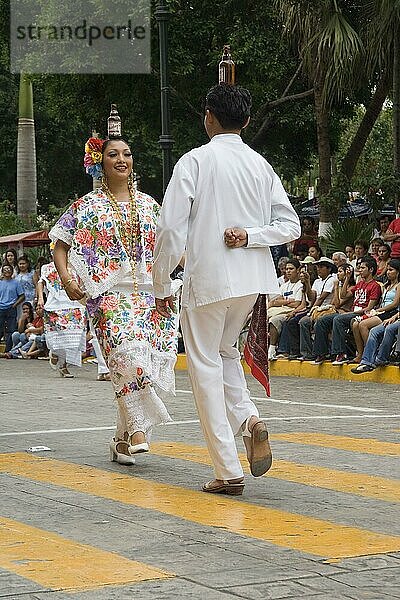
x: 68, y: 283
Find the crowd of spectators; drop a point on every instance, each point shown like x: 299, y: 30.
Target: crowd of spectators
x: 343, y: 308
x: 22, y: 326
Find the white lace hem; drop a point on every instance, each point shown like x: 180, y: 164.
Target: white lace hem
x: 125, y: 360
x: 140, y: 411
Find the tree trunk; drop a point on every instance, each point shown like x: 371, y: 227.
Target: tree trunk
x: 396, y: 109
x: 324, y: 156
x: 26, y: 153
x: 372, y: 112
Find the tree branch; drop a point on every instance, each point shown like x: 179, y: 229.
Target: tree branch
x: 259, y: 136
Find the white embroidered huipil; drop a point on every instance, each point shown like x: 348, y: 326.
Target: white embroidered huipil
x: 220, y: 185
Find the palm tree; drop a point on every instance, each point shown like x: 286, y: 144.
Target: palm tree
x: 26, y: 153
x: 329, y: 48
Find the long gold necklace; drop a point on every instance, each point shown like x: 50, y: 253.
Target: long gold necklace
x: 129, y: 245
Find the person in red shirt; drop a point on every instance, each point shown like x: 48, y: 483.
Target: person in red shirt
x: 367, y: 293
x: 393, y: 235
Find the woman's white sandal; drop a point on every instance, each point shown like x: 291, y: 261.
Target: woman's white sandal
x: 259, y: 454
x: 120, y: 457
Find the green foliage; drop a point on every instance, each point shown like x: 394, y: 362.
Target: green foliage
x: 9, y: 222
x: 68, y: 107
x: 374, y: 170
x: 346, y: 232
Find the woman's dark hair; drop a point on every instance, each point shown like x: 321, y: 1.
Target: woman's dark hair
x: 395, y: 264
x: 294, y: 262
x: 230, y: 104
x: 317, y: 247
x: 12, y: 252
x: 108, y: 142
x: 29, y: 305
x: 388, y: 249
x: 26, y: 259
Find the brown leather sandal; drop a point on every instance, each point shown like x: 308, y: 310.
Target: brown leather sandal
x: 230, y: 487
x: 259, y: 453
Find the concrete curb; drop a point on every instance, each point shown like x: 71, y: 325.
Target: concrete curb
x: 297, y: 368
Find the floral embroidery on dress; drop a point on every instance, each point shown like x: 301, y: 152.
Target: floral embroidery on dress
x: 97, y: 253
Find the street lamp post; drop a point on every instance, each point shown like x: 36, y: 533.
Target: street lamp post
x: 166, y: 141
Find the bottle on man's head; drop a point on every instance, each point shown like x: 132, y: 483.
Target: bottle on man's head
x: 226, y: 68
x: 114, y: 123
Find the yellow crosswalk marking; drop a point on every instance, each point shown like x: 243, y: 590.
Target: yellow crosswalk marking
x: 62, y: 564
x: 364, y: 445
x: 289, y: 530
x: 367, y: 486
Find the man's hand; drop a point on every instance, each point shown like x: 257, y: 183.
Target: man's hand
x: 165, y: 306
x: 74, y: 292
x: 235, y: 237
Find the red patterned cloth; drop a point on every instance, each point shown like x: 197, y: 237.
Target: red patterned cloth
x: 256, y: 347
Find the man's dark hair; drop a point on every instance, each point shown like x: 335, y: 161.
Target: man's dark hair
x: 294, y: 262
x: 230, y: 104
x: 370, y: 262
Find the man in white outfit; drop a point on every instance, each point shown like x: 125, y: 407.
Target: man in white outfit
x: 224, y: 206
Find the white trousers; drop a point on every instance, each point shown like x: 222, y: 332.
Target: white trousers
x: 222, y: 399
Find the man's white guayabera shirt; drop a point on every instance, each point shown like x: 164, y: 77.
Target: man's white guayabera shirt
x: 220, y: 185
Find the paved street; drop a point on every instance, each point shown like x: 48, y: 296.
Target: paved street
x: 323, y: 524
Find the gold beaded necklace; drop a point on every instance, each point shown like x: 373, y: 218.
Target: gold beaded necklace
x: 129, y: 245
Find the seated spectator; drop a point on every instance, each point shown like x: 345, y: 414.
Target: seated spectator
x: 388, y: 307
x: 19, y: 337
x: 379, y: 345
x: 301, y: 252
x: 343, y: 299
x: 360, y: 250
x: 282, y: 269
x: 350, y: 253
x: 339, y: 258
x: 382, y: 262
x: 25, y: 277
x: 11, y: 295
x: 367, y: 293
x: 278, y: 307
x: 320, y: 292
x: 375, y: 245
x: 315, y: 251
x: 309, y: 237
x: 323, y: 287
x: 32, y: 332
x: 392, y: 235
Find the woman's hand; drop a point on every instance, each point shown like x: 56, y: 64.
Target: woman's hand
x: 40, y: 303
x: 74, y: 292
